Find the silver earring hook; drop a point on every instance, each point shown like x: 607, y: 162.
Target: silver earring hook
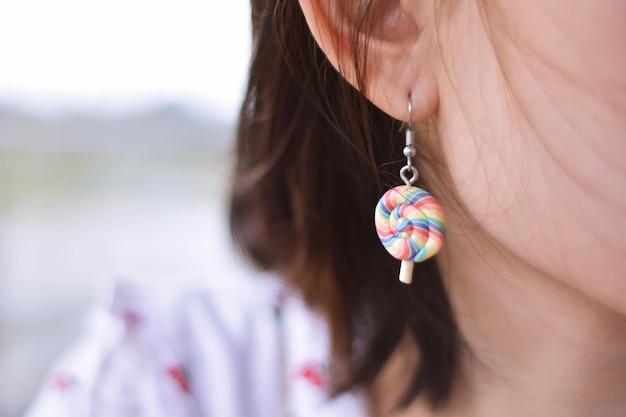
x: 410, y: 113
x: 408, y: 173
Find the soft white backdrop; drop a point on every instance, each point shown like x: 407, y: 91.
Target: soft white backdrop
x: 121, y: 54
x: 158, y: 83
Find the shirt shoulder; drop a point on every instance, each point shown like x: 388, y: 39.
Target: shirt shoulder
x: 244, y: 349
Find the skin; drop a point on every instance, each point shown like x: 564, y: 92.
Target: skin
x: 525, y: 102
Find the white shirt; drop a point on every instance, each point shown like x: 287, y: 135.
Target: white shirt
x: 240, y: 351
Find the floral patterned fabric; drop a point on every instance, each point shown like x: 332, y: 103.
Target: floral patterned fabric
x: 247, y: 350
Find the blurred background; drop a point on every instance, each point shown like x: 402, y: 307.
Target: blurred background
x: 116, y: 121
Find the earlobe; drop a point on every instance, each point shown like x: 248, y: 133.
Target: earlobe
x: 396, y: 42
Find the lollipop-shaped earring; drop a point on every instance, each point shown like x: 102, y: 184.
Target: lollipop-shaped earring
x: 409, y: 221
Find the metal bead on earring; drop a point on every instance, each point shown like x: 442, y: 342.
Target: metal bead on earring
x: 409, y: 221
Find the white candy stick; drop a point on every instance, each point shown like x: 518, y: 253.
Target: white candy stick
x: 406, y: 271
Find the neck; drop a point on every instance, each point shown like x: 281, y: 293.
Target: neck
x: 538, y: 347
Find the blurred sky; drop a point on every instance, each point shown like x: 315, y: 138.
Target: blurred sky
x: 120, y: 55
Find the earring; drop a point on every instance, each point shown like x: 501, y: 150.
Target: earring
x: 409, y: 221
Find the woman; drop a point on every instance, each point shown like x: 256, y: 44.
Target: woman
x: 519, y: 114
x: 519, y: 109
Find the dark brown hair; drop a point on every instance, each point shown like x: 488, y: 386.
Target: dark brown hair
x: 313, y: 157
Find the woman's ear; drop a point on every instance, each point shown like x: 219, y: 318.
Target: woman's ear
x: 397, y: 41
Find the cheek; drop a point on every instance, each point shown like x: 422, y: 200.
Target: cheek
x: 537, y: 154
x: 569, y: 88
x: 521, y: 198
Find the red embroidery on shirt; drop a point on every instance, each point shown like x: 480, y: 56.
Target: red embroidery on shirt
x: 61, y: 382
x: 177, y: 373
x: 313, y: 373
x: 131, y: 318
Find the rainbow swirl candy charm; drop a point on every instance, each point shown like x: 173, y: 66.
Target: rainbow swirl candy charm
x: 410, y: 223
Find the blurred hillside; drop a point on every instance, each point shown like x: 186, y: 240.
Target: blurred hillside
x: 169, y: 130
